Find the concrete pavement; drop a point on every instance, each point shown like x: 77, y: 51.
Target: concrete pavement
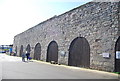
x: 13, y: 68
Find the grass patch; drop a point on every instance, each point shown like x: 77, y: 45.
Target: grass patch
x: 116, y: 72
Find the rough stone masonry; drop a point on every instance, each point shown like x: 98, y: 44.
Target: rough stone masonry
x: 97, y: 22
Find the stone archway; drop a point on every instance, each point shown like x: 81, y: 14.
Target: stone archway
x: 21, y: 51
x: 37, y: 51
x: 52, y: 52
x: 117, y: 55
x: 15, y: 50
x: 28, y: 49
x: 79, y: 53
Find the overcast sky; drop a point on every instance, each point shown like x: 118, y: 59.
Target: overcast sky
x: 17, y: 16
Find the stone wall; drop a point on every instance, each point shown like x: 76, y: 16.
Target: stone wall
x: 96, y: 21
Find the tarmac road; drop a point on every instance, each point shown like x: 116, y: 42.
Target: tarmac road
x: 13, y: 68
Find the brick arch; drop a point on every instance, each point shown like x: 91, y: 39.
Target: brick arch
x: 52, y: 52
x: 117, y: 60
x: 79, y: 53
x: 37, y: 51
x: 21, y: 50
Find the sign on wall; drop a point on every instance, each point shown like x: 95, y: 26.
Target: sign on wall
x: 62, y: 53
x: 117, y: 54
x: 106, y: 55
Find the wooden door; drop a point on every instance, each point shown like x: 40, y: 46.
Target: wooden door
x: 21, y: 50
x: 52, y: 52
x: 37, y: 51
x: 79, y: 53
x: 117, y: 60
x: 28, y: 48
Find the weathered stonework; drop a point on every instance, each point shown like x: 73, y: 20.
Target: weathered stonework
x: 98, y: 22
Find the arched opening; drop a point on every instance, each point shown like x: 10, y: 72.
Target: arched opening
x: 21, y: 50
x: 28, y: 48
x: 79, y: 53
x: 37, y: 51
x: 117, y: 55
x: 52, y: 52
x: 15, y: 51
